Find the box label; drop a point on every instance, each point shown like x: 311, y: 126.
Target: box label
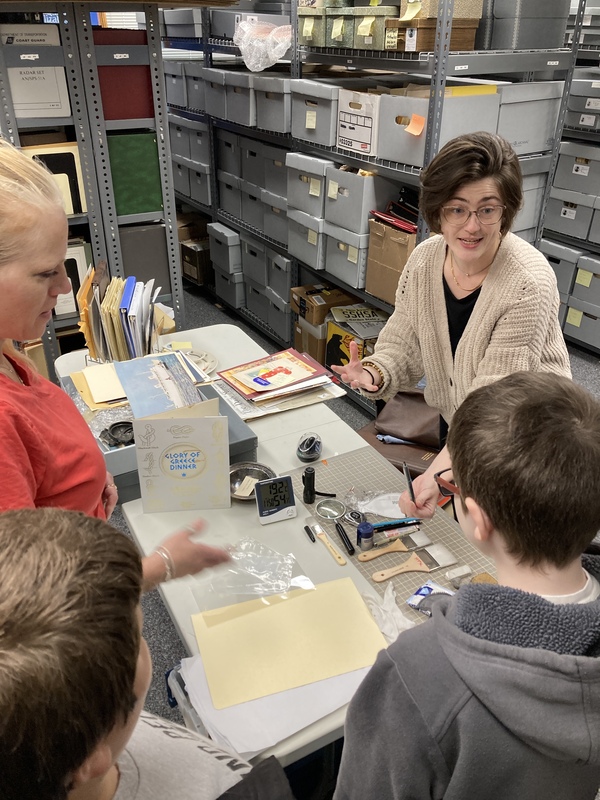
x: 314, y: 188
x: 587, y: 119
x: 568, y: 213
x: 574, y: 317
x: 365, y: 26
x: 311, y: 120
x: 410, y: 42
x: 584, y: 277
x: 581, y: 169
x: 593, y: 103
x: 312, y: 239
x: 337, y: 29
x: 307, y: 28
x: 391, y: 38
x: 353, y: 254
x: 332, y: 190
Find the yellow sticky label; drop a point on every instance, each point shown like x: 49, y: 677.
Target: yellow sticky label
x: 391, y: 38
x: 312, y: 236
x: 413, y: 7
x: 337, y: 29
x: 374, y: 2
x: 332, y: 190
x: 365, y: 27
x: 574, y: 317
x: 584, y: 277
x: 311, y: 120
x: 308, y: 27
x: 353, y: 254
x: 315, y: 187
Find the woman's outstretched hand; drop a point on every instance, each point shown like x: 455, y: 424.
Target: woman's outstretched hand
x: 354, y: 374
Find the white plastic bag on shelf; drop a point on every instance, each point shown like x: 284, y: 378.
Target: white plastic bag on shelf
x: 262, y: 44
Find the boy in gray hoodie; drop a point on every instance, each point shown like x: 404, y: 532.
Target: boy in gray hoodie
x: 498, y: 695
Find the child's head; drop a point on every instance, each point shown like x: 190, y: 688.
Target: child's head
x: 527, y: 450
x: 74, y: 669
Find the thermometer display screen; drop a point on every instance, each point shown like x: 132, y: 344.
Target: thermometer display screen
x: 275, y: 494
x: 275, y: 499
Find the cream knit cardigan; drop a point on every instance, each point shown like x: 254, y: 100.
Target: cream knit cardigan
x: 514, y: 326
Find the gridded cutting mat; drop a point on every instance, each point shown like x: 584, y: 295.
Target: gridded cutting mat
x: 366, y: 470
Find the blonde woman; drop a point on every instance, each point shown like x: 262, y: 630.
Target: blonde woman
x: 48, y: 456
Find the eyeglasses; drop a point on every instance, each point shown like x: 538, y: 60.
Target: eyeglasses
x: 447, y: 488
x: 457, y: 215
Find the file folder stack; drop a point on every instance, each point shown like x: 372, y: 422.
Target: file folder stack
x: 119, y: 318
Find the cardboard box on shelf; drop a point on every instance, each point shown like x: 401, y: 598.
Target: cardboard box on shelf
x: 195, y: 261
x: 339, y: 336
x: 310, y: 339
x: 389, y: 249
x: 314, y: 301
x: 192, y: 226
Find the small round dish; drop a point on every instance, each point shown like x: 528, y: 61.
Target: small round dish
x: 251, y: 469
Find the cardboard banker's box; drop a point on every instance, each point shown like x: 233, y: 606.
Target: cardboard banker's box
x: 389, y: 249
x: 358, y: 323
x: 313, y: 302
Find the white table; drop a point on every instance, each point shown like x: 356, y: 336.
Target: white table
x: 278, y: 436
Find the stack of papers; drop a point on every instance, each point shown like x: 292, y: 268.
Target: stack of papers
x: 119, y: 317
x: 151, y: 385
x: 270, y: 383
x: 266, y: 671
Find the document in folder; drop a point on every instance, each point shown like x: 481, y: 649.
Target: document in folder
x: 312, y: 636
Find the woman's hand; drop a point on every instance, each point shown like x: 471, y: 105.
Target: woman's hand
x: 354, y: 373
x: 110, y: 495
x: 184, y: 556
x: 190, y: 557
x: 426, y: 497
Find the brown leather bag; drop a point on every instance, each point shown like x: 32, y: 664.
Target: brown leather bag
x: 406, y: 416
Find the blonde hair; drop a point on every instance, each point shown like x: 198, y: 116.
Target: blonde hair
x: 26, y: 187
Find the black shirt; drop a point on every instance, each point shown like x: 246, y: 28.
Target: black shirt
x: 459, y: 312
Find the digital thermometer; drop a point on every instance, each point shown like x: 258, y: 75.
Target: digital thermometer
x: 275, y: 499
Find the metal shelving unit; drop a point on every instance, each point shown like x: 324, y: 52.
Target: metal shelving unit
x: 439, y: 65
x: 81, y: 58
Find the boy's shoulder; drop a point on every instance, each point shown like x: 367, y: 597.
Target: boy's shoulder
x: 166, y: 760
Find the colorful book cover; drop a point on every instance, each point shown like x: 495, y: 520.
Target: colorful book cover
x: 271, y: 373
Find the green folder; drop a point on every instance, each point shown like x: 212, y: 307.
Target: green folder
x: 135, y: 172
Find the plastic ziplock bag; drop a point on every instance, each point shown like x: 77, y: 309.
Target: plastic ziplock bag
x: 255, y: 571
x: 262, y: 44
x: 381, y: 504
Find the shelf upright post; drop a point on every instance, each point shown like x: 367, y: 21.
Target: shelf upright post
x: 206, y: 48
x: 443, y: 32
x: 99, y: 141
x: 74, y: 76
x: 561, y: 118
x: 8, y: 119
x: 164, y: 159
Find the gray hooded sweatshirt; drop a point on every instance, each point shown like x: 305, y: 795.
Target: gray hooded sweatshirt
x: 496, y: 697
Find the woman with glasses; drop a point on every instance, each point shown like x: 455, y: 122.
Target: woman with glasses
x: 474, y: 303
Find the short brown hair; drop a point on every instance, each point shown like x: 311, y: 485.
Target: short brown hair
x: 469, y: 158
x: 527, y: 450
x: 69, y: 643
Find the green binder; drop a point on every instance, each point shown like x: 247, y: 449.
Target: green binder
x: 135, y: 172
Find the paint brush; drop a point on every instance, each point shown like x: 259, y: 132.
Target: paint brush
x: 411, y: 541
x: 430, y: 558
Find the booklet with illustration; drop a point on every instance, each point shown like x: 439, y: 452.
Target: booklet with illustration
x: 183, y: 458
x: 273, y: 373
